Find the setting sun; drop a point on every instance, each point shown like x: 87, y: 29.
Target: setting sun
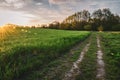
x: 6, y: 30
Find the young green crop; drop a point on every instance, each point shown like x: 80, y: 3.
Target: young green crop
x: 111, y: 45
x: 25, y: 49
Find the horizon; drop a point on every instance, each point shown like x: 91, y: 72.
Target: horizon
x: 35, y: 12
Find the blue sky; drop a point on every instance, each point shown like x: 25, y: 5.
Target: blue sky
x: 31, y: 12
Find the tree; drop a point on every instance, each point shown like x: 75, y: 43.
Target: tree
x: 88, y: 27
x: 101, y: 19
x: 54, y: 25
x: 85, y: 15
x: 97, y: 14
x: 116, y: 27
x: 106, y: 13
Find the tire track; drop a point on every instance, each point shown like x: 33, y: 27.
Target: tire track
x: 74, y: 71
x: 100, y: 63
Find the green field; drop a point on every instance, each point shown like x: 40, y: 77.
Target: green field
x: 48, y: 54
x: 23, y: 49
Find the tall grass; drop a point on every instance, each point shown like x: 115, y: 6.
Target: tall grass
x: 29, y: 49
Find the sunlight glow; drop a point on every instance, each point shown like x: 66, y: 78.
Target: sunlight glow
x: 7, y: 30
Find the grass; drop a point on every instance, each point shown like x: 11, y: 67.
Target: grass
x: 111, y: 47
x: 24, y: 49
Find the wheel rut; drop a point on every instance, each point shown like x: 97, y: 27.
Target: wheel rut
x: 100, y: 62
x: 75, y: 70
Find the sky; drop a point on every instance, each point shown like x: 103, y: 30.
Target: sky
x: 32, y: 12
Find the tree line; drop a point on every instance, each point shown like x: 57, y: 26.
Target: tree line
x: 99, y: 20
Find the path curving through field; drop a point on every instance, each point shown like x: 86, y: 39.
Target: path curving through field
x: 75, y: 70
x: 100, y: 63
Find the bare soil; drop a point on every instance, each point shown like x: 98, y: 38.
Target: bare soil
x: 100, y: 63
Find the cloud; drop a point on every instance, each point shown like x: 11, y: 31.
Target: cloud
x: 12, y: 4
x: 46, y: 11
x: 58, y: 1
